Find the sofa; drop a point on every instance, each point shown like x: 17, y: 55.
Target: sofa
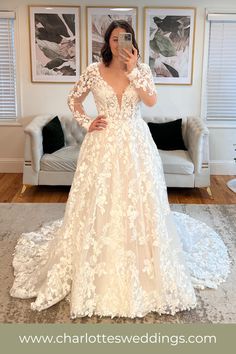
x: 181, y: 168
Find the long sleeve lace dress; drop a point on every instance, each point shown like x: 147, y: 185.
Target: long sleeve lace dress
x: 119, y: 250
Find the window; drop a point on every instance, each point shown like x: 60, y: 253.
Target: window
x: 219, y: 89
x: 7, y: 66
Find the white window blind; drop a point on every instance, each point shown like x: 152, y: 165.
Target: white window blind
x: 7, y: 66
x: 221, y: 70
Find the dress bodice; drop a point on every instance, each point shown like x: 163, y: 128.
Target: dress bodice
x: 106, y: 100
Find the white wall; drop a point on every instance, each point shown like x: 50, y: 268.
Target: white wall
x: 42, y: 98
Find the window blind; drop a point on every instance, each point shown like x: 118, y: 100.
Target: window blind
x: 7, y: 67
x: 221, y: 71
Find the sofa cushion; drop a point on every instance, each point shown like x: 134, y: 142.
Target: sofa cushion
x: 61, y: 160
x: 53, y: 136
x: 168, y: 135
x: 176, y: 162
x: 74, y: 133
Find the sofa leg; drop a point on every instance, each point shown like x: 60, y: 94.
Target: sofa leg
x: 23, y: 189
x: 209, y: 192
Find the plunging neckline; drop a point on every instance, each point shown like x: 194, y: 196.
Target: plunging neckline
x: 114, y: 92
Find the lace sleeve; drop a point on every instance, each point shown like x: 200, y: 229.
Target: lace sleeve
x: 77, y: 95
x: 141, y: 77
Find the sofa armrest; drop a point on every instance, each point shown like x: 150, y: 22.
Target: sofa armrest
x: 34, y: 130
x: 197, y: 140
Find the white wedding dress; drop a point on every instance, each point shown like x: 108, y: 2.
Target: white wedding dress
x: 118, y: 250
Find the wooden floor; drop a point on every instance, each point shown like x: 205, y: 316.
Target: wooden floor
x: 11, y: 185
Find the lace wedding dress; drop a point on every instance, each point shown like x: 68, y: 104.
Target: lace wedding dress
x: 118, y: 250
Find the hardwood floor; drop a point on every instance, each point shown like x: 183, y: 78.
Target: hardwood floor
x: 11, y: 185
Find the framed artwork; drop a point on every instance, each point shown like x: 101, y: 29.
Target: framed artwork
x: 98, y: 19
x: 169, y: 43
x: 54, y: 43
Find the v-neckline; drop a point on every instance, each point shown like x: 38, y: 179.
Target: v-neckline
x: 108, y: 85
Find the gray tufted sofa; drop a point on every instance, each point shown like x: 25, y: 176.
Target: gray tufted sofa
x: 182, y: 168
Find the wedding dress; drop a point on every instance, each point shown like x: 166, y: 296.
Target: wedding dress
x: 118, y: 250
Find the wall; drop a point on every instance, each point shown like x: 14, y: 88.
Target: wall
x: 42, y: 98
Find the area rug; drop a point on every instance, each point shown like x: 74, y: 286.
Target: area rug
x: 214, y: 306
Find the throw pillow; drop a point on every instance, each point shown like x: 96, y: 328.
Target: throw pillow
x: 168, y: 135
x: 53, y: 136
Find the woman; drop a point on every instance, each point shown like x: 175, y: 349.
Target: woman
x: 119, y: 250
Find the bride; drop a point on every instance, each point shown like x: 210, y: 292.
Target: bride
x: 118, y: 250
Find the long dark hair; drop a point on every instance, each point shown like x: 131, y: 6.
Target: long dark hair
x: 106, y: 53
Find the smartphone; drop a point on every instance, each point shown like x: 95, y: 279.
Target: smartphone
x: 125, y: 41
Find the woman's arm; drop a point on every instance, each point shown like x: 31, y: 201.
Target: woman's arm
x: 77, y: 95
x: 141, y: 77
x: 143, y: 82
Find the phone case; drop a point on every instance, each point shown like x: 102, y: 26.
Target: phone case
x: 125, y: 41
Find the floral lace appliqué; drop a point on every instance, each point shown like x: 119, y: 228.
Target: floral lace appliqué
x: 119, y: 250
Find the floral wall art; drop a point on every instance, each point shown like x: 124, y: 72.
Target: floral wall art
x: 98, y: 19
x: 169, y: 43
x: 55, y: 43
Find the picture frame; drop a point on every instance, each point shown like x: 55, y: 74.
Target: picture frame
x: 98, y: 19
x: 169, y: 36
x: 55, y: 49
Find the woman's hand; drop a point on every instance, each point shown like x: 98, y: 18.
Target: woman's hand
x: 130, y: 59
x: 98, y: 123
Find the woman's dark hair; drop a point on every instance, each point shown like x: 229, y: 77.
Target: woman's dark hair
x: 106, y: 50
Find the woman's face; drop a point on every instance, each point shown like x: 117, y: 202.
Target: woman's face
x: 113, y: 41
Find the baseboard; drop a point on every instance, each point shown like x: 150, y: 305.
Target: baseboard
x: 222, y: 167
x: 11, y: 165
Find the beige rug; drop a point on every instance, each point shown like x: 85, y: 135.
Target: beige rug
x: 214, y: 306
